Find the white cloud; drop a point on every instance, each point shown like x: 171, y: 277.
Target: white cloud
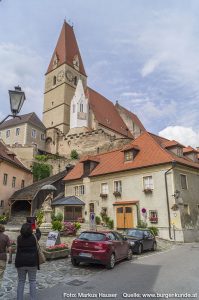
x: 151, y: 65
x: 21, y: 66
x: 185, y: 135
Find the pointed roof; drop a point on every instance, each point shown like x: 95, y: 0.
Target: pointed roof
x: 10, y: 157
x: 190, y: 149
x: 132, y: 116
x: 150, y: 153
x: 66, y: 49
x: 106, y: 114
x: 27, y: 118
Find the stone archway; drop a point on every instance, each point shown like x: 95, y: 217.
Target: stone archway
x: 20, y: 209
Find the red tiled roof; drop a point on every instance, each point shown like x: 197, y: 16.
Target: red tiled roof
x: 130, y: 146
x: 66, y: 49
x: 189, y: 149
x: 173, y: 143
x: 89, y: 157
x: 106, y: 114
x: 10, y: 157
x: 151, y: 153
x: 133, y: 117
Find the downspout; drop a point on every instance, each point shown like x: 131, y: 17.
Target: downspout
x: 167, y: 197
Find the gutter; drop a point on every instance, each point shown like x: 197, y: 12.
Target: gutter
x: 167, y: 197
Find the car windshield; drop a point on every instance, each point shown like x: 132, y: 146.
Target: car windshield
x: 92, y: 236
x: 135, y: 233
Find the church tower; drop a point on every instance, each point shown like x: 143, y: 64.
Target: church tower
x: 64, y: 71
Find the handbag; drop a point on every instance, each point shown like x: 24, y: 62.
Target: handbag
x: 41, y: 256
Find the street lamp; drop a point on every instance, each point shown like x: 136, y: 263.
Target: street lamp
x: 17, y: 98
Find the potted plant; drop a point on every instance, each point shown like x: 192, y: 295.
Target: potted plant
x: 57, y: 251
x: 117, y: 194
x: 103, y: 195
x: 69, y: 229
x: 153, y: 219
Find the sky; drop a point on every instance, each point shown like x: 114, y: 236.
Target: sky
x: 142, y: 53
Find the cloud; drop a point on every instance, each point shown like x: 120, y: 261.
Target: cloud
x: 21, y: 66
x: 185, y: 135
x: 152, y: 64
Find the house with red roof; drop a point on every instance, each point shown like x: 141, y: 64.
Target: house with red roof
x: 149, y: 180
x: 13, y: 176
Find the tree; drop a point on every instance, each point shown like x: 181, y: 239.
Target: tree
x: 40, y: 171
x: 74, y: 154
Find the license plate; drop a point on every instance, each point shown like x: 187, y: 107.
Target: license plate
x: 85, y: 254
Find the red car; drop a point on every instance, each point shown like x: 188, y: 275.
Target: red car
x: 102, y: 247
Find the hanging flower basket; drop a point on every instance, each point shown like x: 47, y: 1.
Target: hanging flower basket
x: 117, y: 194
x: 153, y: 220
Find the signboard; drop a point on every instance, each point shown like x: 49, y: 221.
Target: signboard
x: 53, y: 239
x: 92, y: 220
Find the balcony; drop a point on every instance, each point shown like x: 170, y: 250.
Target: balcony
x: 117, y: 193
x: 103, y: 196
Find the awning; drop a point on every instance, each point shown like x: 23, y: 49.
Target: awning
x: 70, y: 200
x: 126, y: 202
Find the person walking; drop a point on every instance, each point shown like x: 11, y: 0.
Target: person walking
x: 4, y: 246
x: 27, y: 259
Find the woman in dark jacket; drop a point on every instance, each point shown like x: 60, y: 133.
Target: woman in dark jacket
x: 27, y: 259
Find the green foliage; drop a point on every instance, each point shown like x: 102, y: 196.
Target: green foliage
x: 141, y: 224
x: 39, y: 216
x: 57, y: 225
x: 77, y: 225
x: 58, y: 217
x: 97, y: 220
x: 154, y: 230
x: 74, y: 154
x: 40, y: 171
x: 41, y: 157
x: 110, y: 224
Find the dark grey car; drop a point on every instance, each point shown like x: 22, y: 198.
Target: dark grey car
x: 141, y: 240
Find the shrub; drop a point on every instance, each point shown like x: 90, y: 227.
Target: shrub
x: 58, y: 217
x: 39, y: 216
x: 74, y: 154
x: 56, y: 225
x: 154, y: 230
x: 77, y: 225
x: 141, y: 224
x: 97, y: 220
x: 40, y: 171
x: 110, y: 224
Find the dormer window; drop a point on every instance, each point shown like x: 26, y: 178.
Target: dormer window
x: 128, y: 155
x: 179, y: 151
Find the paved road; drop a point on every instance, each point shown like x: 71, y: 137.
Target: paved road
x: 173, y: 271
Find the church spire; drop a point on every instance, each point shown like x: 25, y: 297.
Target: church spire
x: 67, y: 51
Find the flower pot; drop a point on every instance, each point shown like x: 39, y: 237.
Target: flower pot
x: 56, y: 254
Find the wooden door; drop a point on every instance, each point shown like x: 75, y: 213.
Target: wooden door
x: 124, y: 216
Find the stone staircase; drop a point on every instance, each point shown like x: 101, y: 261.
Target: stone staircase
x: 18, y: 219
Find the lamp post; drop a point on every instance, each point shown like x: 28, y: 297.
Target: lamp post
x: 17, y: 98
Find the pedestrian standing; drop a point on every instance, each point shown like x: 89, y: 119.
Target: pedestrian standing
x: 27, y: 260
x: 4, y: 246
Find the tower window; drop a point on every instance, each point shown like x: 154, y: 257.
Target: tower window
x: 81, y: 107
x: 54, y: 80
x: 73, y: 108
x: 52, y: 103
x: 75, y: 80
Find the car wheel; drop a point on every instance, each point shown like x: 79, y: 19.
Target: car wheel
x: 74, y: 262
x: 130, y: 254
x: 154, y: 248
x: 140, y: 249
x: 111, y: 262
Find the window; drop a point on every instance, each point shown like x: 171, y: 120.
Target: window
x: 5, y: 179
x: 34, y: 133
x: 91, y: 207
x: 17, y: 131
x: 7, y: 133
x: 2, y: 203
x: 79, y: 190
x: 22, y: 183
x: 54, y: 80
x: 104, y: 188
x: 42, y: 136
x: 73, y: 108
x: 52, y: 103
x: 13, y: 181
x: 179, y: 151
x: 153, y: 216
x: 148, y: 183
x: 81, y: 107
x: 128, y: 155
x: 118, y: 186
x: 183, y: 179
x: 75, y: 80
